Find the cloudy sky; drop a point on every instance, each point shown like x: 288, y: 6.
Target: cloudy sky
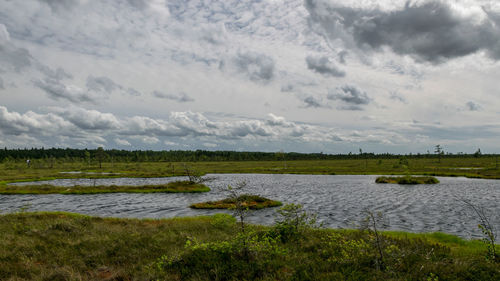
x: 327, y: 76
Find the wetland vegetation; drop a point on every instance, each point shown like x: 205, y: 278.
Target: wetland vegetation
x: 253, y: 202
x: 407, y: 180
x: 55, y: 163
x: 67, y: 246
x: 64, y: 246
x: 172, y: 187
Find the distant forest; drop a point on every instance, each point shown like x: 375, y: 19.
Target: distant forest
x: 75, y: 155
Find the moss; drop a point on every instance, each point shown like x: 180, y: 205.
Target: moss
x: 407, y: 180
x: 253, y: 202
x: 172, y: 187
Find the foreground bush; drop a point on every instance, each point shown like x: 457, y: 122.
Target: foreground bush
x: 61, y: 246
x: 246, y: 256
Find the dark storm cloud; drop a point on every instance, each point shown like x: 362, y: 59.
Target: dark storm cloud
x: 101, y: 84
x: 181, y: 97
x: 1, y: 84
x: 323, y: 66
x: 430, y: 32
x: 258, y: 67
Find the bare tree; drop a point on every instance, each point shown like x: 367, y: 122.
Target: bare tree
x: 486, y: 228
x: 240, y: 209
x: 100, y: 155
x: 439, y: 151
x: 372, y: 223
x: 195, y: 176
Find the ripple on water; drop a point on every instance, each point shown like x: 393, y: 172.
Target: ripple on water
x: 338, y: 200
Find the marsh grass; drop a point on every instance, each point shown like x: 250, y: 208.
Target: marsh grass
x: 407, y: 180
x: 482, y: 167
x: 253, y: 202
x: 64, y: 246
x: 172, y: 187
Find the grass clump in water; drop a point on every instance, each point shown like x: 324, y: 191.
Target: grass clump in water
x: 172, y: 187
x: 254, y: 202
x: 407, y: 180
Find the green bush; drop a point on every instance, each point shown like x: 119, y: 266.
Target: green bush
x: 223, y: 220
x: 292, y: 223
x: 248, y: 256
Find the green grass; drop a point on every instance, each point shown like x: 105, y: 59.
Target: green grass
x: 253, y: 202
x: 481, y: 167
x: 172, y: 187
x: 63, y: 246
x: 407, y: 180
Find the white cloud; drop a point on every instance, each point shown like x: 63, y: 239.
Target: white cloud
x: 209, y: 144
x: 170, y: 143
x: 88, y: 119
x: 219, y: 67
x: 122, y: 142
x: 149, y: 140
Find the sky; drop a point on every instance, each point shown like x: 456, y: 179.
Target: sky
x: 277, y: 75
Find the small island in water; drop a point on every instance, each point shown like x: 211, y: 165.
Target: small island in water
x: 407, y: 180
x: 171, y: 187
x: 254, y: 202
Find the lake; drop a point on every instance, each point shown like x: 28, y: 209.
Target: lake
x: 340, y: 201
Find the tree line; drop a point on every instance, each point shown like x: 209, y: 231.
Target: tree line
x: 73, y: 154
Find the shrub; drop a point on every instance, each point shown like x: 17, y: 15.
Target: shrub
x: 293, y: 222
x: 248, y: 256
x: 223, y: 220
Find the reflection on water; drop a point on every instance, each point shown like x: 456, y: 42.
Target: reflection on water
x: 338, y: 200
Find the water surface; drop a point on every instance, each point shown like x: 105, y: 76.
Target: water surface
x: 339, y: 200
